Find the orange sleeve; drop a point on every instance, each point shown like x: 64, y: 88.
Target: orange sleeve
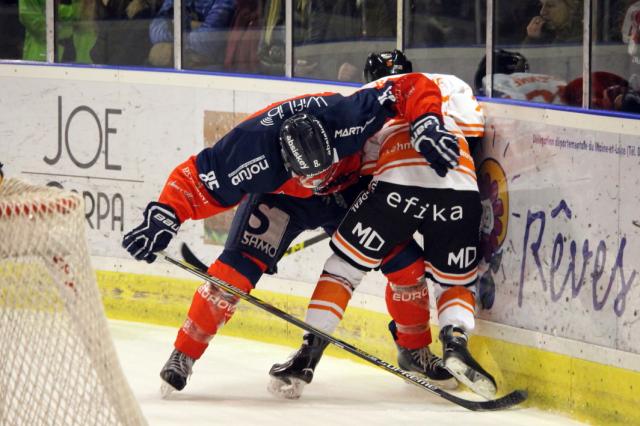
x: 187, y: 195
x: 416, y: 95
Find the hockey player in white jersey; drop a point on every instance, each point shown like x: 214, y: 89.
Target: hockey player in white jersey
x: 406, y: 195
x: 512, y: 80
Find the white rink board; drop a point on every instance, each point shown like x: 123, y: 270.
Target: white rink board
x: 568, y: 264
x: 116, y: 136
x: 155, y: 121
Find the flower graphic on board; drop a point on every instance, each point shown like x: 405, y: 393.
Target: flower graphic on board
x: 494, y: 197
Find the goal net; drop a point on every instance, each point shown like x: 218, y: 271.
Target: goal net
x: 58, y: 365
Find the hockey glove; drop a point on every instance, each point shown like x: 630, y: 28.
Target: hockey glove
x: 159, y: 225
x: 435, y: 143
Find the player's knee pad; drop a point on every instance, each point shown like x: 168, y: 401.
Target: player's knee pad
x: 456, y: 305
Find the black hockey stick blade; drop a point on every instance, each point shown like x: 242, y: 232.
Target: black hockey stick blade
x: 192, y: 259
x: 506, y: 401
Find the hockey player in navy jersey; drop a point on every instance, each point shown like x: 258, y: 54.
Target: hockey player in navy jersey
x: 406, y: 196
x: 307, y: 149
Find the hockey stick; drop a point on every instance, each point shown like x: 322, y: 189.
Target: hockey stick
x: 189, y: 256
x: 506, y: 401
x: 306, y: 243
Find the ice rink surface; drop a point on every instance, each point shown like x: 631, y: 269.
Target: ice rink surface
x: 229, y: 382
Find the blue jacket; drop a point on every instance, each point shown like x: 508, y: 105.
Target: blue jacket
x: 206, y: 40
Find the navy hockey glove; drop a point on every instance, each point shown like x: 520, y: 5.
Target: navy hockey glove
x: 159, y: 225
x: 435, y: 143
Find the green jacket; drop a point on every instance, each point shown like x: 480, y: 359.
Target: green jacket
x: 68, y: 25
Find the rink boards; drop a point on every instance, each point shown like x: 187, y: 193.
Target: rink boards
x: 560, y: 230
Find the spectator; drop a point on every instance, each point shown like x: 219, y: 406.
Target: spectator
x: 205, y: 24
x: 626, y: 97
x: 378, y: 22
x: 318, y: 23
x: 241, y: 54
x: 558, y: 21
x: 631, y: 36
x: 510, y: 18
x: 443, y: 23
x: 310, y: 21
x: 75, y: 32
x: 12, y: 30
x: 123, y: 23
x: 600, y: 81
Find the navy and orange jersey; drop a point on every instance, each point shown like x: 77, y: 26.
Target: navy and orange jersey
x: 248, y: 160
x: 389, y: 155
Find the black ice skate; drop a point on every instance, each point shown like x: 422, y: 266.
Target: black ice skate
x: 289, y: 378
x: 423, y: 362
x: 461, y: 364
x: 427, y: 365
x: 175, y: 372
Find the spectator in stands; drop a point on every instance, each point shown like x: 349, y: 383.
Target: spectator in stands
x: 601, y: 81
x: 241, y: 53
x: 377, y: 21
x: 315, y: 25
x: 558, y: 21
x: 205, y: 24
x: 12, y: 30
x: 510, y: 18
x: 631, y: 36
x: 75, y: 35
x: 626, y: 97
x: 121, y: 23
x: 311, y: 20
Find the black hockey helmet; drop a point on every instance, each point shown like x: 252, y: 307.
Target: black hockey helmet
x: 307, y: 150
x: 383, y: 64
x: 504, y: 62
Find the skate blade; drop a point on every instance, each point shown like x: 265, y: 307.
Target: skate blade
x: 475, y: 381
x: 447, y: 384
x: 281, y: 389
x: 166, y: 390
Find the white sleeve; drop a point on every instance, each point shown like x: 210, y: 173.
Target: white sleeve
x: 459, y: 103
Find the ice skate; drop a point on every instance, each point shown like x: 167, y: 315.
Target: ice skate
x: 423, y: 362
x: 175, y: 373
x: 289, y: 378
x: 461, y: 364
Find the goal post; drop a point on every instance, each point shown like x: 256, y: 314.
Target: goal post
x: 58, y: 364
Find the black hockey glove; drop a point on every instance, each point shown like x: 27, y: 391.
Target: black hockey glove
x: 159, y: 225
x: 435, y: 143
